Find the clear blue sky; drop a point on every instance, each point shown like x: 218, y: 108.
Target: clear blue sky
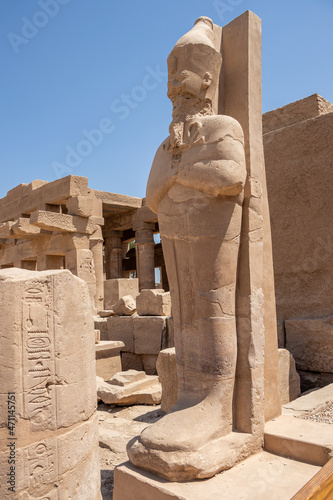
x: 71, y: 66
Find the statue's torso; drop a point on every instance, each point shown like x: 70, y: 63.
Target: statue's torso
x: 210, y: 163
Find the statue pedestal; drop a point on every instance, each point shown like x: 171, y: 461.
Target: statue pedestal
x: 261, y: 476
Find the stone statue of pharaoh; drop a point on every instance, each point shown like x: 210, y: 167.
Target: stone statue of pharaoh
x: 196, y: 188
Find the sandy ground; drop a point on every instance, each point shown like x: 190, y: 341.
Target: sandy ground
x: 117, y: 425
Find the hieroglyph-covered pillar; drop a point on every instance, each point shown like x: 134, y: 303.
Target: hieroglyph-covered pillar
x: 48, y: 421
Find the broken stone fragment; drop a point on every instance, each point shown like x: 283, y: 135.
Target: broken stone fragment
x: 129, y: 388
x: 125, y: 306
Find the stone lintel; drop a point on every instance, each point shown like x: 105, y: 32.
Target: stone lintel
x: 62, y: 222
x: 26, y: 198
x: 117, y: 201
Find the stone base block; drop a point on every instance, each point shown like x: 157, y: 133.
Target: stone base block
x: 108, y: 360
x: 116, y: 288
x: 260, y: 477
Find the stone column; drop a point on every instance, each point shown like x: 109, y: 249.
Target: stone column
x: 96, y: 247
x: 113, y: 255
x: 145, y: 253
x: 48, y: 421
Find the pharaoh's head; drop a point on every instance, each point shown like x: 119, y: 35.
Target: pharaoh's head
x: 194, y: 65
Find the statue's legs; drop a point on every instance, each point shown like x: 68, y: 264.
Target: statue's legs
x: 195, y: 439
x: 206, y: 342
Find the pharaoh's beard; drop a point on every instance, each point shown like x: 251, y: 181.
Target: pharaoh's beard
x: 185, y: 108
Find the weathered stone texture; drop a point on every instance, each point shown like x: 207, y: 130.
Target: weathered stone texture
x: 311, y: 343
x: 46, y: 331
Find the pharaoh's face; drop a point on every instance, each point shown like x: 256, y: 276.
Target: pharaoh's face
x: 187, y: 75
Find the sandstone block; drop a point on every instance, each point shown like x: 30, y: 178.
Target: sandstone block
x: 116, y: 288
x: 311, y: 343
x: 101, y: 324
x: 148, y: 334
x: 122, y: 328
x: 125, y: 306
x: 289, y: 379
x: 131, y: 387
x: 52, y: 221
x: 46, y: 330
x: 153, y: 303
x: 97, y: 336
x: 79, y: 205
x: 108, y: 360
x: 167, y: 372
x: 130, y: 361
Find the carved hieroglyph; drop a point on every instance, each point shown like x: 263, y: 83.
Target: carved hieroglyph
x: 49, y: 427
x: 196, y: 187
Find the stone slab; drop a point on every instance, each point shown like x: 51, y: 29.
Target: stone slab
x: 262, y: 476
x: 299, y: 439
x: 108, y: 361
x: 311, y: 401
x: 144, y: 391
